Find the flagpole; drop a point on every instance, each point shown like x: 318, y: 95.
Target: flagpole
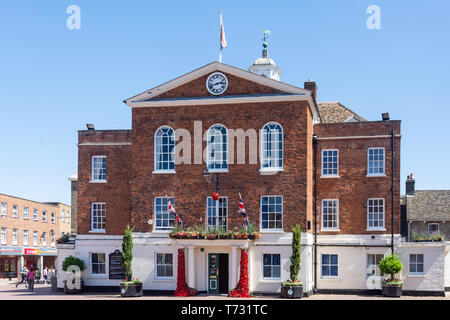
x: 220, y: 36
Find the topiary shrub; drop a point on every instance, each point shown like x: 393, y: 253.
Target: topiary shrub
x: 127, y: 252
x: 295, y: 258
x: 73, y: 261
x: 391, y: 265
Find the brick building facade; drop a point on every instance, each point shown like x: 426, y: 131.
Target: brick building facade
x: 29, y: 231
x: 319, y: 165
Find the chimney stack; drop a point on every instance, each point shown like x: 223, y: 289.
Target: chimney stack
x: 311, y: 86
x: 410, y: 185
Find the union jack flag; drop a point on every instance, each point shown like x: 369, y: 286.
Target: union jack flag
x: 223, y: 41
x: 242, y: 212
x: 172, y: 211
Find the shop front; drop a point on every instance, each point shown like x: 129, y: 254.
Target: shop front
x: 12, y: 259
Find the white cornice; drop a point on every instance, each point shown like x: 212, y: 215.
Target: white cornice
x: 216, y: 66
x: 220, y: 100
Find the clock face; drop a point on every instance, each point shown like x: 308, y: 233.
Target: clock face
x: 217, y: 83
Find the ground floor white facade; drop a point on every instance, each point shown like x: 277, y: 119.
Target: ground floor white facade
x: 344, y: 262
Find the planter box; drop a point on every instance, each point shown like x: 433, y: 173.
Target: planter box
x: 131, y: 290
x: 292, y: 292
x: 391, y: 291
x: 74, y: 291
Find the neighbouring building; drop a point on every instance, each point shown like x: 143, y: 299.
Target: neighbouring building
x: 427, y: 212
x: 73, y: 202
x: 319, y: 165
x: 29, y: 231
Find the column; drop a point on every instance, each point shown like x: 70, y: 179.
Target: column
x: 234, y: 267
x: 41, y: 265
x: 191, y: 266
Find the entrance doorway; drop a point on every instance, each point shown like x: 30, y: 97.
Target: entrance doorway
x: 8, y: 267
x: 218, y: 273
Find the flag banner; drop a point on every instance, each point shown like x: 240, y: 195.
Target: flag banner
x: 242, y: 212
x: 172, y: 211
x: 223, y: 40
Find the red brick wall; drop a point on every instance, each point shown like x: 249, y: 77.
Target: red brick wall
x: 236, y: 86
x: 188, y: 186
x: 116, y: 192
x: 353, y: 188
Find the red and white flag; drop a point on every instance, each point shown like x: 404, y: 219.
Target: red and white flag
x: 223, y: 41
x: 172, y: 211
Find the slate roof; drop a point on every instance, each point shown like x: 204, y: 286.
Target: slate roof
x: 334, y: 112
x: 429, y: 205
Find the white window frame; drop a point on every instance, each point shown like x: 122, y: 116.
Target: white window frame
x: 4, y: 236
x: 44, y: 239
x: 379, y: 228
x: 52, y: 238
x: 15, y: 211
x: 377, y: 266
x: 431, y: 224
x: 44, y: 216
x: 269, y: 230
x: 63, y: 215
x: 216, y: 207
x: 170, y: 217
x: 336, y: 228
x: 329, y: 175
x: 53, y: 217
x: 225, y: 153
x: 156, y: 162
x: 378, y: 174
x: 95, y: 171
x: 271, y: 267
x: 35, y: 215
x: 102, y: 217
x: 416, y: 264
x: 67, y: 216
x: 91, y: 265
x: 264, y: 159
x: 25, y: 239
x: 26, y: 213
x: 15, y: 237
x: 163, y: 265
x: 35, y: 238
x: 329, y: 265
x: 4, y: 209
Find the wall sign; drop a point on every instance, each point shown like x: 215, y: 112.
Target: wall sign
x: 115, y: 266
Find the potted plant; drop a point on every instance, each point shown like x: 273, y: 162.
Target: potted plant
x: 391, y: 265
x: 293, y: 288
x: 70, y: 264
x: 129, y: 287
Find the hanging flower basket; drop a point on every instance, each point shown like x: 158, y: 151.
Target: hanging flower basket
x: 215, y: 196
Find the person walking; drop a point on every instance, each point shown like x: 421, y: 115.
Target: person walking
x: 30, y: 276
x: 45, y: 275
x: 23, y: 276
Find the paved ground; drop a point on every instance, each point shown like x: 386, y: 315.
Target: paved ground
x: 8, y: 291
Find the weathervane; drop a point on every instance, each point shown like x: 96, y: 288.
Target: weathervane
x: 266, y: 35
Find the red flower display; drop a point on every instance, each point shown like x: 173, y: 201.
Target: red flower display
x: 182, y: 289
x: 215, y: 196
x: 242, y: 290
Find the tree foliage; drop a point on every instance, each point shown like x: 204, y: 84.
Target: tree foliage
x: 391, y: 265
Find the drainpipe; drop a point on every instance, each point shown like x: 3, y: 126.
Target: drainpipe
x: 392, y: 188
x: 315, y: 141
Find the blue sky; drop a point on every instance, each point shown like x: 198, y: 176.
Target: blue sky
x: 54, y: 80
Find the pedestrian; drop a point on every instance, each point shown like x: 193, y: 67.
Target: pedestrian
x: 51, y: 273
x: 30, y: 276
x: 45, y: 275
x: 23, y: 276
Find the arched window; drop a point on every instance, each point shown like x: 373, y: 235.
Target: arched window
x: 217, y: 148
x: 165, y: 149
x: 272, y: 146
